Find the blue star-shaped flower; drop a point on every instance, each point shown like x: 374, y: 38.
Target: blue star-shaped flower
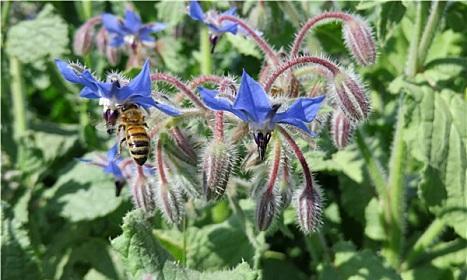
x: 130, y: 29
x: 211, y: 18
x: 253, y: 106
x: 116, y: 92
x: 110, y: 164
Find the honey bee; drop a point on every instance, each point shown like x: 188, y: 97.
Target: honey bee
x: 129, y: 119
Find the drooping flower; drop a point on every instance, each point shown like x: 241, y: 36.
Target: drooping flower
x: 116, y: 90
x: 211, y: 18
x: 252, y: 105
x: 130, y: 30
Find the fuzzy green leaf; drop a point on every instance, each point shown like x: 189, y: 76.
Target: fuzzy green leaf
x: 84, y: 192
x: 38, y: 40
x: 437, y: 136
x: 374, y: 221
x: 353, y: 264
x: 244, y: 45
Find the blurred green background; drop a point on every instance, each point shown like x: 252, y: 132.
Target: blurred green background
x: 395, y: 198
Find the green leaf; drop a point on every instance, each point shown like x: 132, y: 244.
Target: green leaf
x: 83, y: 193
x: 374, y: 227
x: 349, y: 263
x: 170, y: 12
x: 170, y: 49
x: 244, y: 45
x: 38, y: 40
x: 211, y: 247
x: 18, y: 258
x: 391, y: 14
x: 437, y: 136
x: 144, y: 256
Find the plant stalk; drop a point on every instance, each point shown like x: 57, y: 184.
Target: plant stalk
x: 19, y: 102
x: 206, y: 59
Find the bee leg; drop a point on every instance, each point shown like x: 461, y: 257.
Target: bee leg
x: 120, y: 145
x: 121, y: 139
x: 146, y: 125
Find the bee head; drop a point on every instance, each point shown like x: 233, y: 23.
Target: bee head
x: 262, y: 139
x: 110, y: 117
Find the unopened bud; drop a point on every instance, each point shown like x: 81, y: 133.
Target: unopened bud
x: 112, y: 55
x: 351, y: 97
x: 341, y: 129
x: 308, y: 204
x: 101, y: 40
x: 294, y: 86
x: 359, y: 40
x: 170, y: 203
x: 266, y: 209
x: 183, y: 143
x: 217, y: 166
x: 83, y: 39
x: 143, y: 195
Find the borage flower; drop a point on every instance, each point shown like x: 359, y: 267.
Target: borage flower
x: 252, y: 105
x: 130, y: 30
x: 211, y: 19
x: 116, y: 91
x: 110, y: 165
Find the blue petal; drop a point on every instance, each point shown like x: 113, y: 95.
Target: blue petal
x: 112, y: 154
x: 89, y: 93
x: 67, y: 72
x: 209, y: 98
x: 117, y: 41
x: 112, y: 24
x: 230, y: 12
x: 157, y: 26
x: 132, y: 21
x: 141, y: 84
x: 143, y: 101
x: 252, y: 99
x: 303, y: 109
x: 169, y: 110
x: 114, y: 169
x: 224, y: 28
x: 299, y: 124
x: 145, y: 35
x: 195, y: 11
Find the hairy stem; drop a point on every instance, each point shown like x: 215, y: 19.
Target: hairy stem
x: 437, y: 9
x: 424, y: 241
x: 411, y: 67
x: 395, y: 189
x: 372, y: 165
x: 179, y: 85
x: 160, y: 163
x: 311, y: 23
x: 219, y: 126
x: 19, y: 103
x: 298, y: 153
x: 297, y: 61
x: 206, y: 59
x: 262, y: 44
x: 275, y: 166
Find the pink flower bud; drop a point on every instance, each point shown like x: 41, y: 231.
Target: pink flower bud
x: 82, y: 41
x: 359, y: 40
x: 351, y: 97
x: 308, y: 204
x: 170, y: 203
x: 101, y: 40
x: 142, y: 192
x: 266, y: 209
x: 341, y: 129
x: 217, y: 166
x: 112, y: 55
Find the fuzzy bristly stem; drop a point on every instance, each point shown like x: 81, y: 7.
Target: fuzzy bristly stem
x: 262, y: 44
x: 412, y: 58
x: 297, y: 61
x: 425, y: 240
x: 219, y: 126
x: 275, y: 166
x: 179, y: 85
x: 437, y: 9
x: 19, y: 103
x: 395, y: 192
x: 298, y: 153
x: 160, y: 163
x: 205, y: 46
x: 312, y: 23
x: 205, y: 79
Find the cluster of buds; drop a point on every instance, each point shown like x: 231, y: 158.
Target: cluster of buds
x: 128, y: 34
x: 268, y: 113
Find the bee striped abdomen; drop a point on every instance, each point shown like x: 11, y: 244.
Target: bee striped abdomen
x: 138, y: 143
